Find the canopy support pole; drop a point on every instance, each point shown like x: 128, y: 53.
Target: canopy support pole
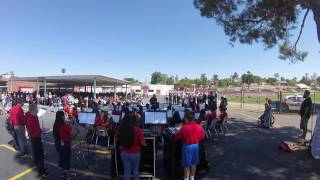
x: 94, y: 88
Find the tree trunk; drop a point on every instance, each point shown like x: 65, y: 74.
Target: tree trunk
x: 316, y: 14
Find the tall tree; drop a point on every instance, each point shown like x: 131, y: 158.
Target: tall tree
x: 170, y: 80
x: 268, y: 21
x: 204, y: 79
x: 247, y: 78
x: 176, y: 79
x: 131, y: 80
x: 215, y: 80
x: 277, y: 75
x: 156, y: 78
x: 63, y: 71
x: 234, y: 76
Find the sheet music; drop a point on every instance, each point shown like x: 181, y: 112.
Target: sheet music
x: 197, y: 115
x: 41, y: 112
x: 181, y: 114
x: 116, y: 118
x: 169, y: 114
x: 149, y: 117
x: 87, y: 118
x: 160, y: 118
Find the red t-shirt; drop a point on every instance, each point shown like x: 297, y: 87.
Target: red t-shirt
x: 190, y: 133
x: 213, y: 116
x: 33, y: 126
x: 17, y: 116
x: 223, y: 116
x: 65, y: 133
x: 68, y: 110
x: 98, y: 121
x: 136, y: 147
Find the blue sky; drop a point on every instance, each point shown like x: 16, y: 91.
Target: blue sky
x: 132, y: 39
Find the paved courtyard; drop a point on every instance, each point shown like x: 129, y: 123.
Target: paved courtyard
x: 246, y: 152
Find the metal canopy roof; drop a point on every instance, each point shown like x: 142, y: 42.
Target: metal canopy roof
x: 80, y: 80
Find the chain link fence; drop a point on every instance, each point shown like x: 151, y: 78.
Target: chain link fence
x: 282, y: 101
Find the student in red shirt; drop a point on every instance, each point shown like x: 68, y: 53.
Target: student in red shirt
x: 190, y: 134
x: 212, y: 116
x: 62, y: 135
x: 222, y: 117
x: 130, y: 139
x: 34, y: 131
x: 17, y: 120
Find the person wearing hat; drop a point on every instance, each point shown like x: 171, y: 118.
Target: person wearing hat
x: 191, y: 134
x: 305, y: 113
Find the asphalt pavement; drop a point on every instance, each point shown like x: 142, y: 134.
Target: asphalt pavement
x: 245, y: 152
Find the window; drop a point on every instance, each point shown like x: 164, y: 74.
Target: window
x: 292, y: 99
x: 150, y: 90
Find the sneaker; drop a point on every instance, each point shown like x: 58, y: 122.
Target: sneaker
x: 69, y: 175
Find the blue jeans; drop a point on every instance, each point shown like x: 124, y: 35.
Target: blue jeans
x: 130, y: 163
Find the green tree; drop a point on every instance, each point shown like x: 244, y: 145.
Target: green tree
x: 271, y: 22
x: 318, y: 80
x: 271, y: 80
x: 163, y: 78
x: 63, y: 71
x: 176, y: 79
x: 215, y: 80
x: 204, y: 79
x: 156, y: 78
x: 170, y: 80
x: 234, y: 76
x: 247, y: 78
x: 276, y: 75
x: 131, y: 80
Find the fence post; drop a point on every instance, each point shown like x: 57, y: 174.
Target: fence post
x: 280, y: 106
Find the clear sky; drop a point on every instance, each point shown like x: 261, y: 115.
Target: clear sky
x: 132, y: 39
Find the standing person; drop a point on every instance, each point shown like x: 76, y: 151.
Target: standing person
x: 266, y: 117
x: 34, y: 131
x: 153, y: 102
x: 17, y: 120
x: 130, y: 139
x: 190, y: 134
x: 62, y: 136
x: 305, y: 113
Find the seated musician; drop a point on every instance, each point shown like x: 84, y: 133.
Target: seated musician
x: 222, y: 118
x: 212, y: 116
x: 102, y: 119
x: 190, y: 134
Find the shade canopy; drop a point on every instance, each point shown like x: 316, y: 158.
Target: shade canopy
x: 77, y: 80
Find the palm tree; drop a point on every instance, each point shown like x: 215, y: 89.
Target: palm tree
x: 63, y: 71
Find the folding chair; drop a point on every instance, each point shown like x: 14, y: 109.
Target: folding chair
x: 101, y: 132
